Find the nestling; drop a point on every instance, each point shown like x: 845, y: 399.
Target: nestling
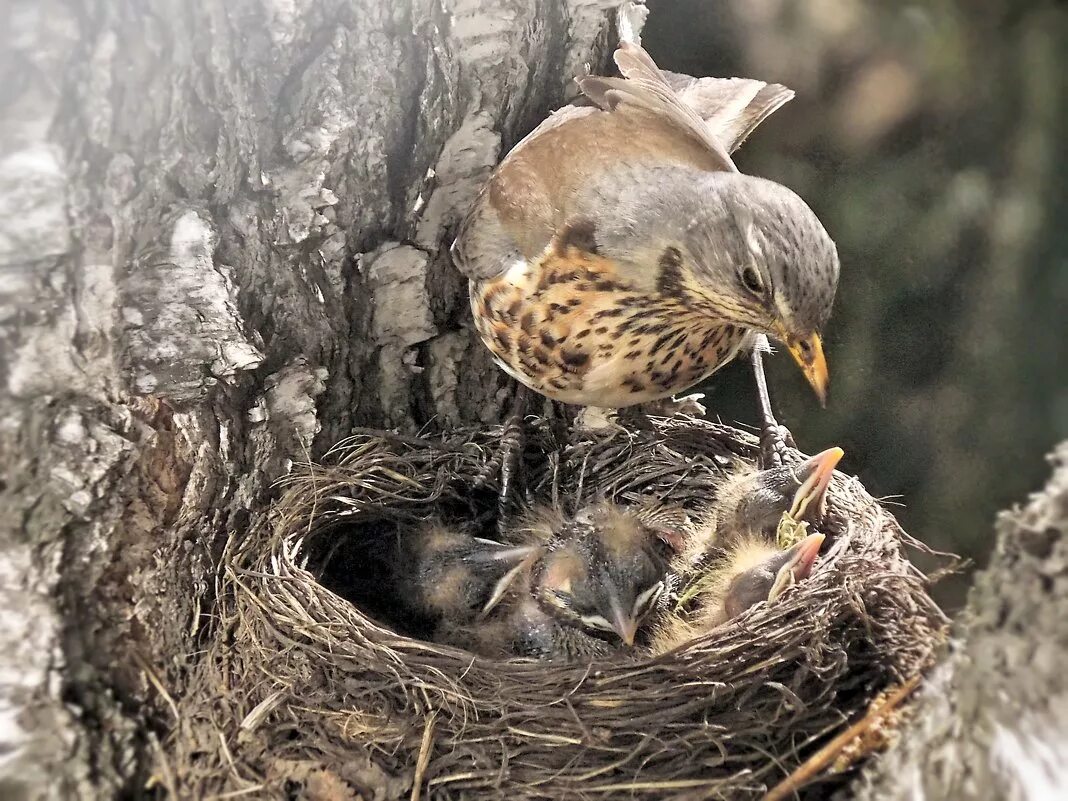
x: 617, y: 256
x: 750, y: 503
x: 580, y: 585
x: 604, y: 570
x: 751, y: 570
x: 447, y: 574
x: 519, y: 626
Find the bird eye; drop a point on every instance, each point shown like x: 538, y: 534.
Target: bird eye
x: 596, y: 622
x: 647, y: 600
x: 751, y: 279
x: 560, y: 599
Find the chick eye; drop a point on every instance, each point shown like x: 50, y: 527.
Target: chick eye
x: 751, y: 280
x: 644, y: 602
x: 560, y: 599
x: 596, y: 622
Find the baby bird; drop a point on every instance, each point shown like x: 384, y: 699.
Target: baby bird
x: 520, y: 626
x: 579, y: 586
x: 751, y: 571
x: 604, y: 570
x: 750, y: 503
x: 446, y: 574
x: 731, y: 562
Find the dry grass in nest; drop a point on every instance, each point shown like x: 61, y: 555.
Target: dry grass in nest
x: 301, y: 694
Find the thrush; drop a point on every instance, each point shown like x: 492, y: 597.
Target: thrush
x: 581, y: 584
x: 605, y: 569
x: 751, y: 502
x: 519, y: 626
x: 752, y: 570
x: 617, y: 256
x: 750, y: 506
x: 446, y: 574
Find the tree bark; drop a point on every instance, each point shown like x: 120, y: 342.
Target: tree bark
x: 993, y: 720
x: 224, y: 244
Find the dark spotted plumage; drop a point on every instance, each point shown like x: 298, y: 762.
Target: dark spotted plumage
x: 669, y: 282
x: 600, y: 351
x: 624, y: 230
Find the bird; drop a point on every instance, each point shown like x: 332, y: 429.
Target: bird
x: 750, y: 503
x: 605, y: 569
x: 447, y: 574
x: 750, y: 571
x: 572, y: 586
x: 731, y: 560
x: 617, y: 256
x: 519, y: 626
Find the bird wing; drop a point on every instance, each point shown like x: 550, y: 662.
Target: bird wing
x: 732, y: 108
x: 644, y: 88
x: 681, y: 120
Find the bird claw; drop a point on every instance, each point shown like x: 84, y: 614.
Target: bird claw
x: 776, y: 441
x: 505, y: 463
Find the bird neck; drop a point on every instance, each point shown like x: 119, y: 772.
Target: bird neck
x: 730, y: 524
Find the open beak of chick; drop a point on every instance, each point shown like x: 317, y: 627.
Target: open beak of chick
x: 815, y: 475
x: 808, y: 353
x: 800, y: 560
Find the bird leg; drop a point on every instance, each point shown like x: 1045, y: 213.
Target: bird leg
x: 512, y: 447
x: 505, y: 462
x: 774, y: 438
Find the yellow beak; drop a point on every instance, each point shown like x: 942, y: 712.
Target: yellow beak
x: 811, y: 494
x: 808, y: 353
x: 799, y: 565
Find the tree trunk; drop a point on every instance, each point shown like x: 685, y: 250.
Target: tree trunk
x: 993, y: 721
x: 224, y: 244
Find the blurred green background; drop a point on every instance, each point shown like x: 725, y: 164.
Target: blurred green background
x: 932, y: 140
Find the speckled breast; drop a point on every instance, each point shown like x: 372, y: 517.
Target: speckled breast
x: 570, y: 328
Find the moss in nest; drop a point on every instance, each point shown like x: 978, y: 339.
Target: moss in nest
x: 789, y: 532
x: 307, y: 676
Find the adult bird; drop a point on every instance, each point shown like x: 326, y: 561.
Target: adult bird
x: 618, y: 256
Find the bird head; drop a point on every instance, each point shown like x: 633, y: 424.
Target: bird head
x: 603, y: 584
x: 754, y: 503
x: 770, y: 576
x: 761, y: 254
x: 745, y: 250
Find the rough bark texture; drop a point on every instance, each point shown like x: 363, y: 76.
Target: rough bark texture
x: 993, y: 721
x: 222, y: 239
x: 221, y: 244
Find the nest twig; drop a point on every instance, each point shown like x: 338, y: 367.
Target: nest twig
x: 301, y: 691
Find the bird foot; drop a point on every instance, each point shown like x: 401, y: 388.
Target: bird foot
x: 505, y: 463
x: 775, y: 440
x: 775, y: 444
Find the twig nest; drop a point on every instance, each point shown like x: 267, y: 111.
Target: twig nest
x: 310, y: 689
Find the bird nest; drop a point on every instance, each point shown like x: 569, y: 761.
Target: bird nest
x: 311, y: 689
